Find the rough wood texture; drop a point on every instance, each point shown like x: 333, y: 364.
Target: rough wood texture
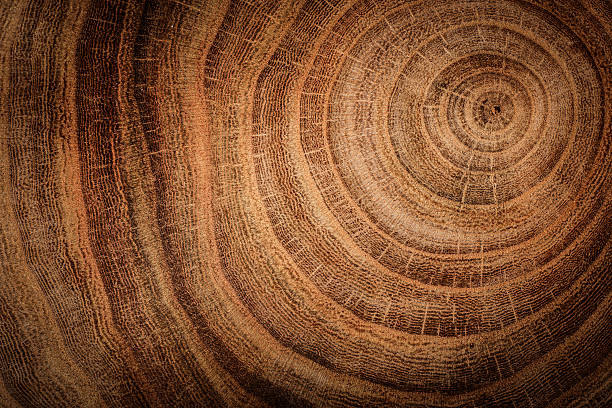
x: 305, y: 203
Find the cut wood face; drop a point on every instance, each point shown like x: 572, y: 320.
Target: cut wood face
x: 306, y: 203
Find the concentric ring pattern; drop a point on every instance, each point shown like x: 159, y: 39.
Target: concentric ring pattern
x: 306, y: 203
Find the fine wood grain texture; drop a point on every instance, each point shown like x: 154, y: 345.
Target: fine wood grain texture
x: 305, y: 203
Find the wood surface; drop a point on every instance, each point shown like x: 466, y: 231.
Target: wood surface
x: 305, y: 203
